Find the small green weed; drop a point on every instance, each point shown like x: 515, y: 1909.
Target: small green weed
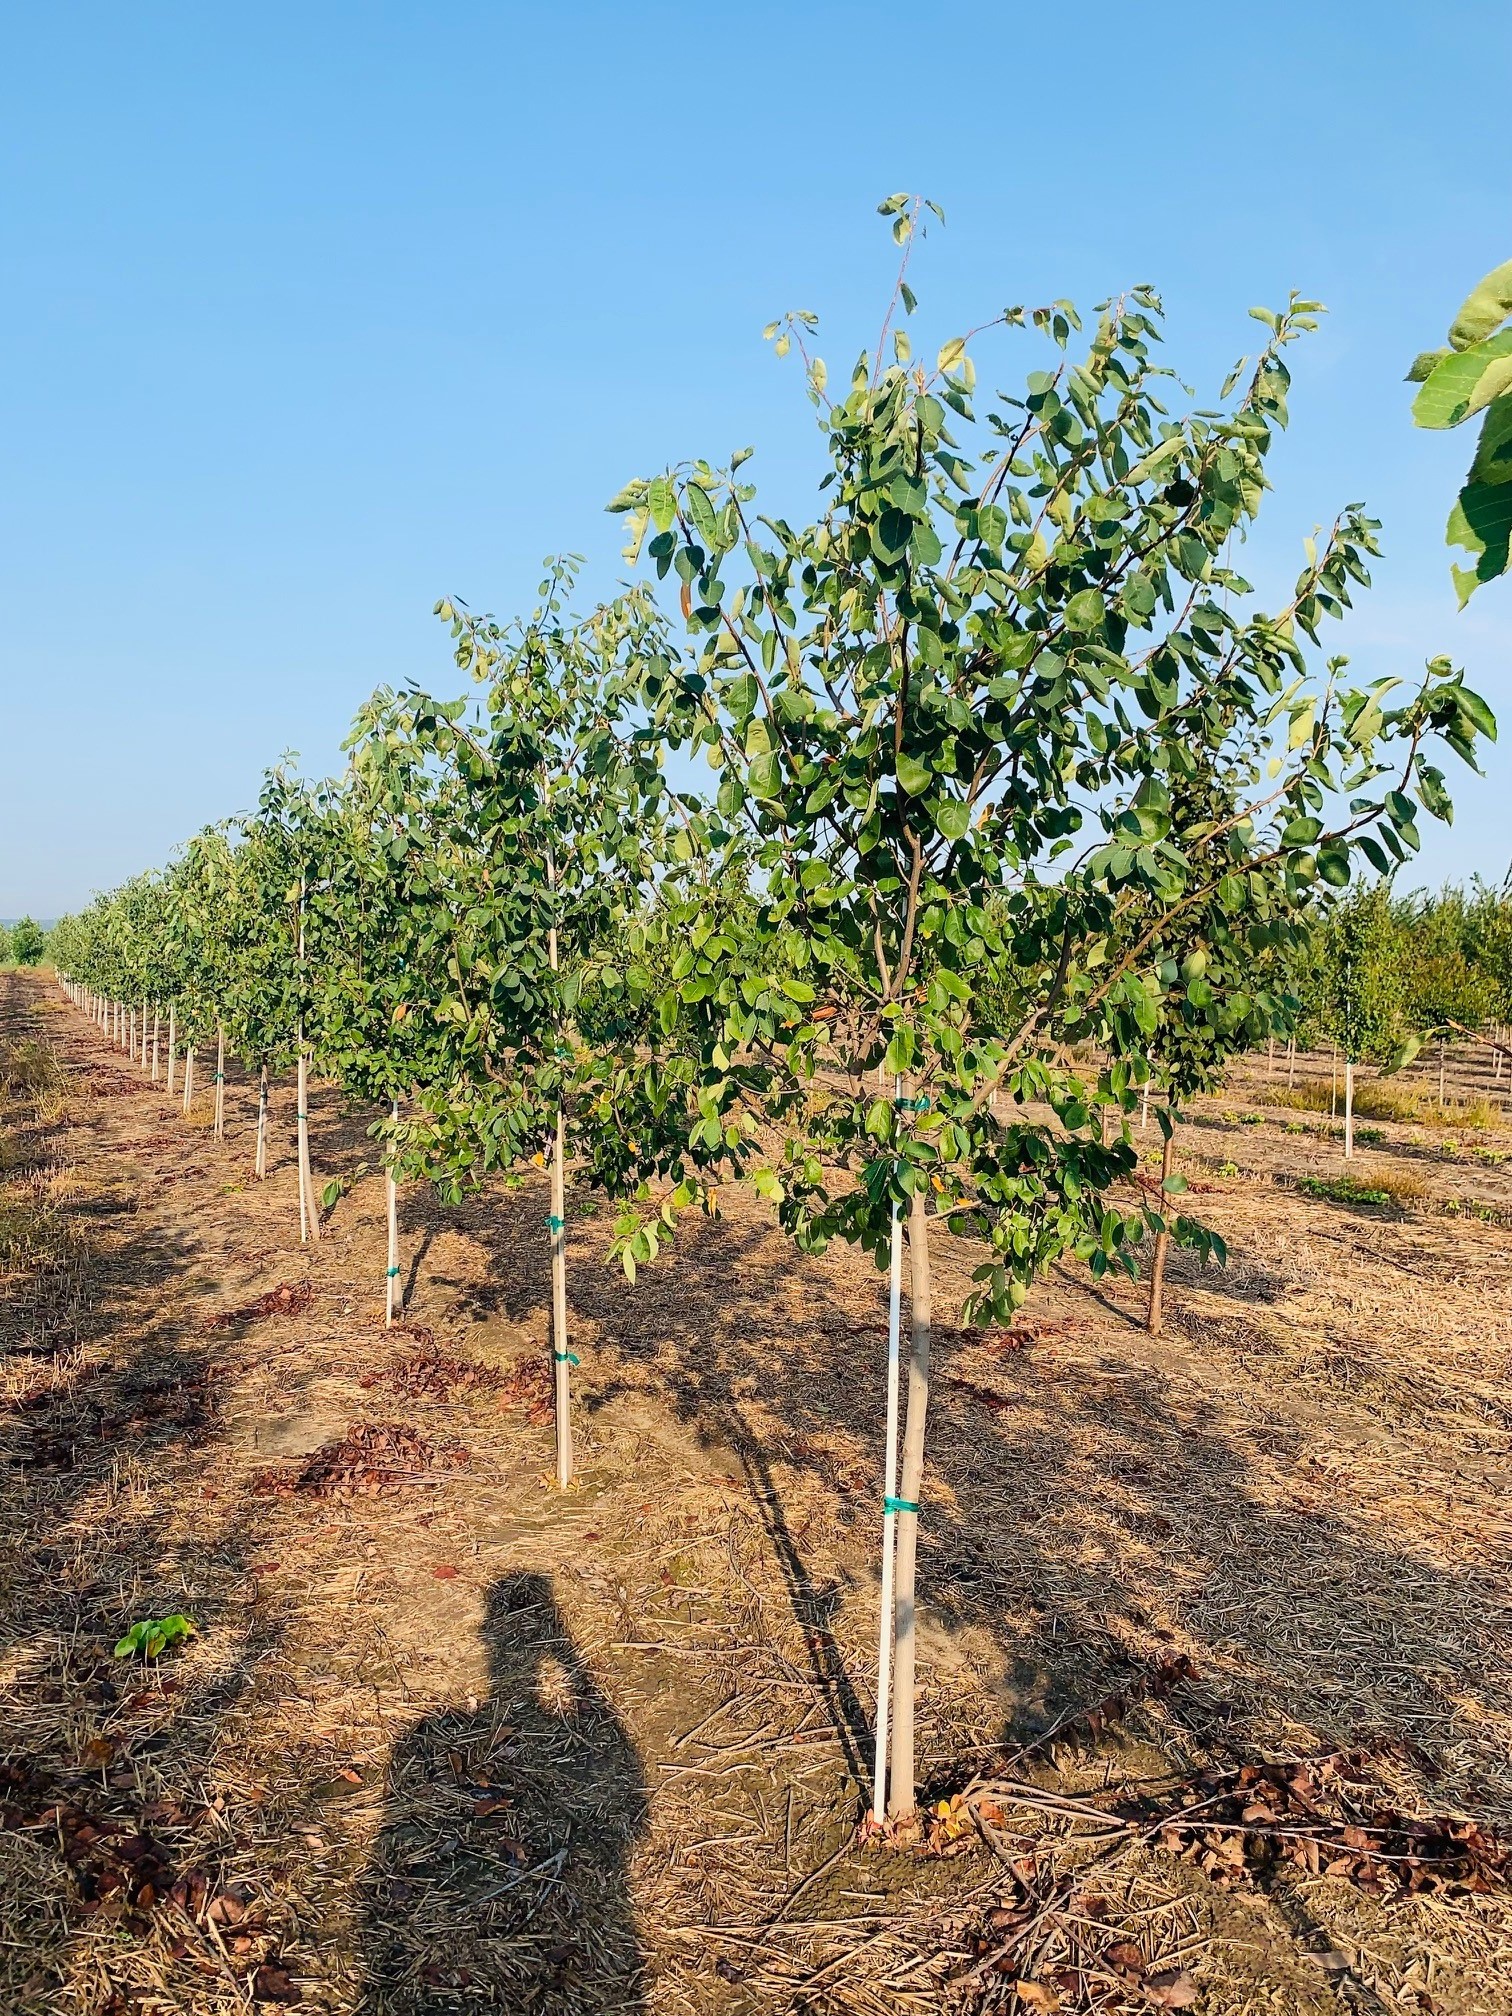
x: 152, y: 1635
x: 1471, y: 1207
x: 1343, y: 1190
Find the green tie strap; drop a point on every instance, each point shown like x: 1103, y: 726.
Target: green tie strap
x: 555, y: 1224
x: 891, y: 1504
x: 392, y: 1272
x: 566, y: 1357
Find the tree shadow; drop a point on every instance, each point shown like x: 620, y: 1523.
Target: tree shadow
x: 501, y: 1876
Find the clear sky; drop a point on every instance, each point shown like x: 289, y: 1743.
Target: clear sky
x: 316, y: 312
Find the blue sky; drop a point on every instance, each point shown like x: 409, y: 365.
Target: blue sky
x: 315, y: 313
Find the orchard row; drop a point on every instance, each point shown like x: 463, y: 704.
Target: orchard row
x: 825, y: 859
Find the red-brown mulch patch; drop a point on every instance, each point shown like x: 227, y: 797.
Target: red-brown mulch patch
x: 432, y: 1374
x: 289, y: 1298
x: 372, y: 1456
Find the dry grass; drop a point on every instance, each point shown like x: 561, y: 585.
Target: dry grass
x: 468, y: 1743
x: 1378, y: 1099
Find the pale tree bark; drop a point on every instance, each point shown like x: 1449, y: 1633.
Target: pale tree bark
x: 394, y: 1303
x: 1162, y: 1239
x: 901, y: 1792
x: 889, y: 1515
x: 1348, y: 1108
x: 220, y: 1081
x: 561, y: 1349
x: 172, y: 1042
x: 156, y: 1030
x: 261, y: 1167
x: 188, y: 1078
x: 309, y: 1210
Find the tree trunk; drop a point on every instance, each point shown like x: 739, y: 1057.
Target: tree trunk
x: 394, y: 1299
x: 220, y: 1081
x: 1441, y: 1075
x: 1162, y: 1239
x: 172, y: 1042
x: 1270, y: 1059
x: 1144, y: 1108
x: 309, y: 1213
x: 261, y: 1168
x: 889, y: 1518
x: 1333, y: 1088
x: 156, y: 1026
x: 1291, y: 1065
x: 188, y: 1077
x: 900, y: 1792
x: 560, y: 1349
x: 309, y: 1210
x: 1348, y: 1108
x: 131, y: 1033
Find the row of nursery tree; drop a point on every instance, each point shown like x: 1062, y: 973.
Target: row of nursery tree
x: 825, y: 858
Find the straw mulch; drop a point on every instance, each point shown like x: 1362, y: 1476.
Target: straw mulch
x: 1215, y: 1692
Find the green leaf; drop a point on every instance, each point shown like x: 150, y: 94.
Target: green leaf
x: 952, y: 816
x: 1422, y: 365
x: 1464, y: 382
x: 914, y: 776
x: 701, y: 511
x: 1085, y: 611
x: 1485, y: 308
x: 662, y: 502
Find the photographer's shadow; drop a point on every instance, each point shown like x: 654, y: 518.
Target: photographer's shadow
x: 500, y: 1880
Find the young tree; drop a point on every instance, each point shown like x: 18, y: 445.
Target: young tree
x: 28, y: 942
x: 373, y: 989
x: 948, y: 716
x: 1361, y: 982
x: 539, y: 840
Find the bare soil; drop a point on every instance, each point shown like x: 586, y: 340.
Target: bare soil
x: 446, y: 1739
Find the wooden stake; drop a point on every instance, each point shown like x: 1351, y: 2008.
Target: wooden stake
x: 1162, y: 1239
x: 395, y: 1300
x: 557, y: 1225
x: 560, y: 1347
x: 156, y: 1022
x: 309, y: 1213
x: 220, y: 1081
x: 188, y: 1077
x: 172, y: 1038
x: 889, y: 1513
x: 1291, y: 1064
x: 261, y: 1166
x: 1348, y: 1107
x: 901, y: 1793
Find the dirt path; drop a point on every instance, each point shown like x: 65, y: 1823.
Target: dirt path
x: 447, y: 1740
